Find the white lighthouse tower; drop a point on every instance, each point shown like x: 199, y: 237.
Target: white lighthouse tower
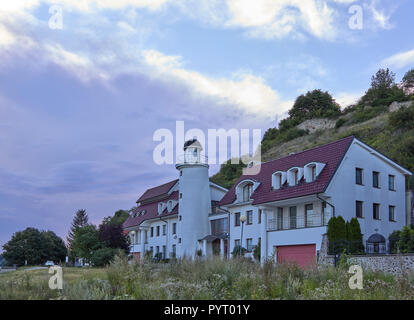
x: 194, y: 198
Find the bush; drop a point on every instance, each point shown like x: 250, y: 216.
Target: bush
x: 402, y: 119
x: 406, y: 242
x: 103, y: 256
x: 340, y: 123
x: 393, y: 241
x: 236, y: 251
x: 257, y: 252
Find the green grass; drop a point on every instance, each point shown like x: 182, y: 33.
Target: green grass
x: 213, y: 279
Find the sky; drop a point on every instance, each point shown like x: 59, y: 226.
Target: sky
x: 85, y: 84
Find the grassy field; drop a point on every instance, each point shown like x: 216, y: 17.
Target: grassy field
x: 215, y: 279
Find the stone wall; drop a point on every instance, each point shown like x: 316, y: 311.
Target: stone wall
x: 391, y: 263
x: 316, y: 124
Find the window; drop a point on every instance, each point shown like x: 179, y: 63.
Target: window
x: 174, y: 228
x: 249, y: 245
x: 174, y: 250
x: 179, y: 240
x: 292, y: 217
x: 151, y: 249
x: 237, y: 219
x: 279, y: 219
x: 391, y: 182
x: 247, y: 191
x: 358, y: 209
x: 157, y: 249
x: 249, y: 215
x: 164, y: 229
x: 358, y: 176
x: 313, y: 171
x: 375, y: 211
x: 219, y: 226
x: 295, y: 177
x: 158, y: 231
x: 259, y: 217
x: 181, y: 195
x: 164, y: 252
x: 375, y: 179
x: 152, y: 232
x: 179, y: 218
x: 308, y: 215
x: 181, y: 173
x: 391, y: 210
x: 237, y: 242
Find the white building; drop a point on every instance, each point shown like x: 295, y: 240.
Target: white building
x: 287, y: 205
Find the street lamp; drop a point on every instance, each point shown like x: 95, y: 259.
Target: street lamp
x: 243, y: 218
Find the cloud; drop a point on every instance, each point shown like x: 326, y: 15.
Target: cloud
x: 346, y: 99
x: 379, y: 16
x: 244, y: 90
x: 399, y: 60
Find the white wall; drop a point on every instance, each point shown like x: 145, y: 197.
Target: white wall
x: 344, y: 192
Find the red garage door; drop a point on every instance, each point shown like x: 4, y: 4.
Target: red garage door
x: 302, y: 255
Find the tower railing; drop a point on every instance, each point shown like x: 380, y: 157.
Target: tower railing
x: 185, y: 159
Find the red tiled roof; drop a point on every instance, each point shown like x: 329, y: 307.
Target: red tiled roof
x: 331, y: 154
x: 157, y: 191
x: 151, y: 211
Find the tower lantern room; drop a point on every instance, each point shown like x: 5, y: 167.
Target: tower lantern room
x: 192, y: 151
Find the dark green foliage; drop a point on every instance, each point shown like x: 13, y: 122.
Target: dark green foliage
x: 339, y: 123
x: 406, y: 242
x: 408, y: 79
x: 103, y: 256
x: 393, y: 241
x: 314, y: 104
x: 382, y: 81
x: 275, y: 136
x: 345, y: 236
x: 228, y: 174
x: 337, y: 235
x: 80, y: 220
x: 118, y: 218
x: 354, y: 237
x: 403, y: 119
x: 256, y: 252
x: 86, y: 242
x: 3, y: 261
x: 237, y: 250
x: 34, y: 246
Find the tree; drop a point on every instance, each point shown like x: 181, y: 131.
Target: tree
x: 54, y: 248
x: 354, y: 237
x: 35, y: 247
x: 393, y: 241
x: 337, y: 235
x: 382, y: 81
x: 406, y: 242
x: 408, y: 80
x: 118, y: 218
x: 103, y: 256
x: 86, y: 242
x: 314, y: 104
x: 113, y: 236
x: 80, y: 220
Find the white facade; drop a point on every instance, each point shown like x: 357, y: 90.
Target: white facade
x: 287, y: 222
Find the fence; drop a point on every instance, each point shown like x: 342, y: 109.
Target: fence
x: 295, y: 222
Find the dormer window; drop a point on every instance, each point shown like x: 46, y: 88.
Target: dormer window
x: 278, y: 179
x: 294, y: 176
x: 312, y: 171
x: 247, y: 191
x: 160, y: 207
x: 170, y: 205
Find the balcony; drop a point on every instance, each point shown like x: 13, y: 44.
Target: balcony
x: 311, y: 221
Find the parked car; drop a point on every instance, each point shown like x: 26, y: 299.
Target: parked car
x: 49, y: 263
